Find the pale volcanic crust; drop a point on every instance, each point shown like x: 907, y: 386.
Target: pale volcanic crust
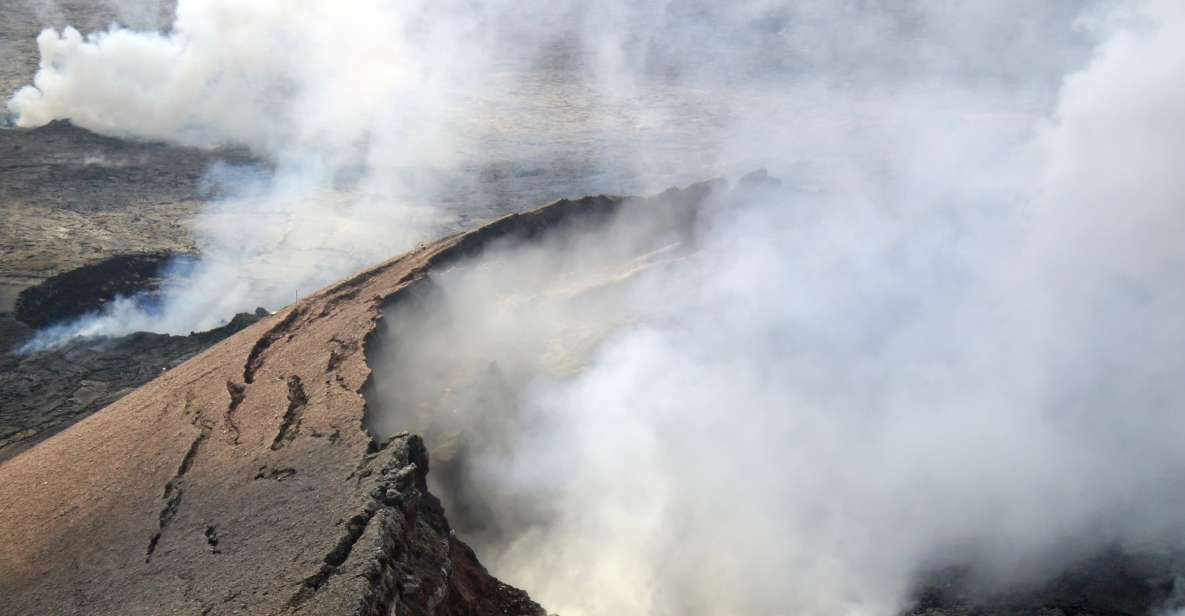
x: 244, y: 479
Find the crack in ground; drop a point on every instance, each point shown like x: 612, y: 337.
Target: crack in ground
x: 255, y: 358
x: 238, y: 392
x: 173, y: 491
x: 297, y: 401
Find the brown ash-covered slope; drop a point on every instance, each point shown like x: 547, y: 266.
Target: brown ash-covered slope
x: 244, y: 480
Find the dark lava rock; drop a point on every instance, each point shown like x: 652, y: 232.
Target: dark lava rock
x: 1113, y: 583
x: 45, y: 392
x: 75, y: 293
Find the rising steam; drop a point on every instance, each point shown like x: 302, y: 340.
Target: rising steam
x: 821, y: 394
x: 952, y: 336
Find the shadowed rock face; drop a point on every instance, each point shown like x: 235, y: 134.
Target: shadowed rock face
x: 412, y: 563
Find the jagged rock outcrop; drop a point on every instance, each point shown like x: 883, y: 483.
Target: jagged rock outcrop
x: 414, y: 564
x: 243, y: 481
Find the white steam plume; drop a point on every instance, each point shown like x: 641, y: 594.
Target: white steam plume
x: 969, y: 351
x: 449, y: 110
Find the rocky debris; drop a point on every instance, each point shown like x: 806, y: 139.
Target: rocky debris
x: 62, y: 166
x: 45, y: 392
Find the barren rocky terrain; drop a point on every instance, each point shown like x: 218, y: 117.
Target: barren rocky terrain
x: 83, y: 218
x: 43, y: 393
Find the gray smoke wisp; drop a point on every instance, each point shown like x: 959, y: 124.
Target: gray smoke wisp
x: 952, y: 336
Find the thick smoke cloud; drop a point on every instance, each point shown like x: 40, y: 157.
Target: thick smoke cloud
x: 953, y: 337
x: 970, y: 357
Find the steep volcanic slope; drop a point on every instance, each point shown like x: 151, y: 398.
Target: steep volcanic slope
x: 244, y: 480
